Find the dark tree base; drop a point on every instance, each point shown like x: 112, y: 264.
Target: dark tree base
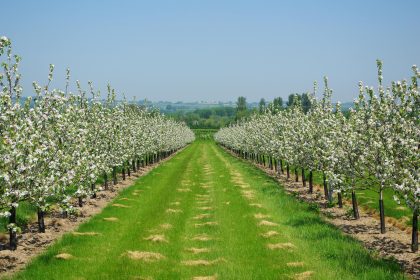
x: 356, y: 214
x: 41, y: 223
x: 415, y: 233
x: 382, y: 215
x: 340, y: 200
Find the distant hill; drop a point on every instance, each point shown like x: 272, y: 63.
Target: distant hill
x: 172, y: 107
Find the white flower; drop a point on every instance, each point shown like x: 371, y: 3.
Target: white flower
x: 5, y: 214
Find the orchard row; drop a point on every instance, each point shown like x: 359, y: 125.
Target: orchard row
x: 378, y: 141
x: 55, y: 146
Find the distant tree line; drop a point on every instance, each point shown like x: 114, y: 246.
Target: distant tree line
x: 277, y: 104
x: 217, y: 117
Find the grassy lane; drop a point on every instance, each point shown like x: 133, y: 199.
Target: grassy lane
x: 206, y: 215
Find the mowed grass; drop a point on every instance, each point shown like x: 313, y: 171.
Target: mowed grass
x: 211, y: 215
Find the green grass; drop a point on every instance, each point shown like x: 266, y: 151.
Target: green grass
x: 217, y: 180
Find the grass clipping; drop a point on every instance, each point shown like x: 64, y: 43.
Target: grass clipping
x: 111, y: 219
x: 261, y: 216
x: 206, y: 224
x: 120, y: 205
x: 170, y: 210
x: 144, y: 256
x: 267, y: 223
x: 203, y: 262
x: 166, y: 226
x: 202, y: 237
x: 269, y: 234
x: 303, y: 276
x: 64, y: 256
x: 295, y: 264
x: 213, y: 277
x: 198, y: 250
x: 201, y: 216
x: 158, y: 238
x: 287, y: 246
x: 183, y: 190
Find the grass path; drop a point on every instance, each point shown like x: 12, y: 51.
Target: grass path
x: 206, y: 215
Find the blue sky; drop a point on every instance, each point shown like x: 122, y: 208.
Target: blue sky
x: 214, y: 50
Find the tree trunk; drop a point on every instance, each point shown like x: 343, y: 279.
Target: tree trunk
x: 382, y: 211
x: 415, y: 233
x: 106, y: 181
x: 80, y: 199
x: 288, y: 171
x: 303, y: 178
x: 123, y: 172
x: 114, y: 175
x: 41, y: 223
x: 340, y: 200
x: 355, y: 206
x: 92, y: 187
x: 281, y: 166
x: 330, y: 195
x: 12, y: 234
x: 324, y: 177
x: 296, y: 175
x: 128, y: 169
x: 311, y: 182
